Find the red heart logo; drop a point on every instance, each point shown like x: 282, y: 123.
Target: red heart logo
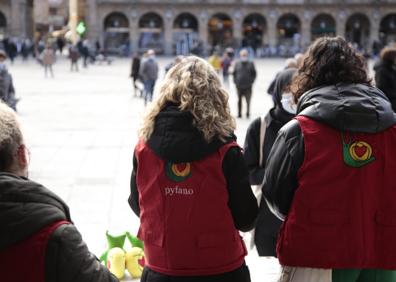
x: 181, y: 166
x: 360, y: 150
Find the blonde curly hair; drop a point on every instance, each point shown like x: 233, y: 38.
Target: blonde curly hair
x: 195, y: 87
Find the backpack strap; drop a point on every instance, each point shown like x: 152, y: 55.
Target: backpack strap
x: 263, y: 128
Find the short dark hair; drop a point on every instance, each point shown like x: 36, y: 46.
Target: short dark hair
x: 329, y: 60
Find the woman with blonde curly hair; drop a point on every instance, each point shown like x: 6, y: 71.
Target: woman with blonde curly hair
x: 189, y: 183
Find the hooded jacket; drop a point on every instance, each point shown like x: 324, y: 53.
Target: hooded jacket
x: 175, y: 139
x: 268, y: 224
x: 27, y: 207
x: 342, y: 108
x: 385, y: 80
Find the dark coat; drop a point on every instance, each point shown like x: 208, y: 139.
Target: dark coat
x: 267, y: 226
x: 177, y: 140
x: 385, y: 80
x: 25, y: 208
x: 244, y: 74
x: 7, y: 90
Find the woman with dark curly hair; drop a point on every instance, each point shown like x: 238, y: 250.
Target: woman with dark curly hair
x: 330, y: 173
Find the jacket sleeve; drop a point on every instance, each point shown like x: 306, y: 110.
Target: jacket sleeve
x: 285, y: 158
x: 252, y: 153
x: 68, y: 259
x: 242, y: 202
x: 133, y: 199
x: 254, y: 73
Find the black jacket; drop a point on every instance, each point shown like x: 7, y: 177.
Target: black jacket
x: 385, y: 80
x: 267, y: 226
x: 244, y: 74
x: 25, y: 208
x: 346, y: 107
x: 177, y: 140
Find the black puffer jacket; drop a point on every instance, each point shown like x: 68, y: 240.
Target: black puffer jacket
x: 385, y: 80
x: 25, y: 208
x: 346, y: 107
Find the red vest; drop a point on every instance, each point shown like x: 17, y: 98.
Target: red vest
x: 25, y: 261
x: 185, y: 221
x: 343, y: 213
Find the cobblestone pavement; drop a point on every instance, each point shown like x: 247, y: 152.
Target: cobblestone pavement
x: 81, y: 129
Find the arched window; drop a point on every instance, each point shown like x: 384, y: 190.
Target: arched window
x: 185, y: 33
x: 3, y: 24
x: 151, y: 28
x: 323, y: 25
x: 289, y: 30
x: 357, y: 30
x: 254, y: 27
x: 220, y: 28
x: 116, y: 37
x: 388, y: 29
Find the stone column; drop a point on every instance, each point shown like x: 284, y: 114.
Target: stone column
x: 374, y: 30
x: 272, y: 31
x: 15, y: 25
x: 203, y: 30
x: 134, y: 30
x: 168, y: 33
x: 340, y: 23
x: 305, y: 33
x: 92, y: 20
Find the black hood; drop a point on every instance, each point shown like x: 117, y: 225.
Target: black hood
x: 348, y: 107
x: 176, y: 139
x: 25, y: 208
x: 283, y: 79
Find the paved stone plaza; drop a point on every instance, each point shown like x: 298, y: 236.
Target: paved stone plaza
x: 81, y: 129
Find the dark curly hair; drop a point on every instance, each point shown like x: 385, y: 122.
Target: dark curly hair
x: 328, y: 61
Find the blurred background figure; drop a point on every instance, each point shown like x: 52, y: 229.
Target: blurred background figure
x: 244, y: 77
x: 135, y: 70
x: 149, y: 75
x: 7, y: 90
x: 177, y: 60
x: 48, y: 59
x: 74, y: 56
x: 385, y: 74
x: 215, y: 62
x: 226, y: 63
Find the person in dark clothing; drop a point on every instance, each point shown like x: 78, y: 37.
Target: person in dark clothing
x: 60, y: 43
x: 189, y: 183
x: 244, y: 76
x: 330, y: 173
x: 38, y: 241
x: 259, y: 139
x: 7, y: 90
x: 385, y: 74
x: 135, y: 71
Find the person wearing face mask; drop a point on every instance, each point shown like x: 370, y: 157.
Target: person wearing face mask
x: 260, y: 136
x: 7, y: 90
x: 244, y: 77
x: 38, y: 241
x: 385, y: 74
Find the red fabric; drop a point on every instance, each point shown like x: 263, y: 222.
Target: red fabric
x: 341, y: 216
x: 187, y: 226
x: 25, y: 261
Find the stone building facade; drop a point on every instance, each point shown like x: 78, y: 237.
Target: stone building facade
x: 171, y: 26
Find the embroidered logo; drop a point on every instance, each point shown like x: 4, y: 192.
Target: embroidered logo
x: 357, y: 153
x: 178, y: 172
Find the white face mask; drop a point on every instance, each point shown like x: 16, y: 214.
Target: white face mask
x: 288, y: 103
x: 2, y: 66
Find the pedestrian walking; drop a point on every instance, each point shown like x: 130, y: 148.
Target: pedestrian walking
x: 189, y: 184
x: 7, y: 90
x: 244, y: 76
x: 48, y: 59
x: 226, y: 62
x: 385, y: 74
x: 260, y: 137
x: 135, y: 71
x: 74, y: 56
x: 38, y: 241
x: 149, y: 75
x: 330, y: 173
x: 215, y: 61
